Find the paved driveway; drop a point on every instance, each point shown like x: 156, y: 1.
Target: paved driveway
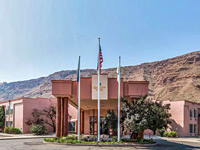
x: 36, y: 144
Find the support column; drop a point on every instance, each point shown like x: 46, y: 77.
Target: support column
x: 65, y: 116
x: 62, y: 117
x: 58, y: 116
x: 82, y: 122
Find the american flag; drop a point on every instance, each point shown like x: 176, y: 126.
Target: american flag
x: 99, y: 59
x: 78, y: 71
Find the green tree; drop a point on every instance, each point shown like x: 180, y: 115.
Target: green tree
x: 140, y: 114
x: 158, y: 116
x: 110, y: 121
x: 134, y: 115
x: 2, y: 117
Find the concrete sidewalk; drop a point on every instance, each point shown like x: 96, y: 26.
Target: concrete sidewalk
x: 182, y: 139
x: 4, y: 136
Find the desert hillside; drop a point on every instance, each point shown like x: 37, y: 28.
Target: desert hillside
x: 175, y: 78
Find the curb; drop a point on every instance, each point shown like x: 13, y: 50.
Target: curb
x: 18, y: 138
x: 101, y: 145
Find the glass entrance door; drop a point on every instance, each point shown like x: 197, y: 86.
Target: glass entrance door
x: 93, y: 126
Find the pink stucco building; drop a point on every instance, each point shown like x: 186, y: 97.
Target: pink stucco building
x: 185, y: 117
x: 185, y: 114
x: 18, y: 111
x: 66, y: 93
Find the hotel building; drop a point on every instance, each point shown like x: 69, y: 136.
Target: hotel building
x: 66, y: 93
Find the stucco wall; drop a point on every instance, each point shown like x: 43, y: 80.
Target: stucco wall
x: 37, y: 103
x: 10, y: 117
x: 180, y: 111
x: 187, y: 120
x: 177, y: 112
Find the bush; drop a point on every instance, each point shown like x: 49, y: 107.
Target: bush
x: 146, y: 141
x: 50, y: 139
x: 2, y: 117
x: 114, y: 139
x: 11, y: 130
x: 38, y: 129
x: 128, y: 140
x: 170, y: 134
x: 73, y: 137
x: 161, y: 132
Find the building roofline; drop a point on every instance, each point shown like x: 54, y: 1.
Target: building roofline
x: 180, y: 100
x: 61, y: 80
x: 58, y: 81
x: 22, y: 98
x: 9, y: 100
x: 137, y: 81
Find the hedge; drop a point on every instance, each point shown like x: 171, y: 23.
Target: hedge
x: 11, y: 130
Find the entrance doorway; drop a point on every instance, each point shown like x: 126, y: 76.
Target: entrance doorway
x: 93, y: 126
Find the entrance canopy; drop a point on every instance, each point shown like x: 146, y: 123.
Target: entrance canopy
x: 88, y: 91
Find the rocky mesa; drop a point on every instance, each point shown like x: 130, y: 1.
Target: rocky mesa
x: 176, y: 78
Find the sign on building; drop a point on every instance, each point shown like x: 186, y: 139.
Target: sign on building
x: 103, y: 87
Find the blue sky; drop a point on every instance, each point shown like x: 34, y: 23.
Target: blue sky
x: 39, y: 37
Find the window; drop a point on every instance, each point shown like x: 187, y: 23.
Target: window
x: 195, y: 128
x: 7, y: 110
x: 191, y: 128
x: 11, y: 123
x: 195, y: 114
x: 11, y: 109
x: 71, y: 126
x: 7, y: 123
x: 190, y: 114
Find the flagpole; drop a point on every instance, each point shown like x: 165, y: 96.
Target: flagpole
x: 119, y: 80
x: 79, y: 111
x: 98, y: 131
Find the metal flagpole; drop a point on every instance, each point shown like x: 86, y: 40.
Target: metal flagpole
x: 79, y: 113
x: 119, y: 78
x: 98, y: 132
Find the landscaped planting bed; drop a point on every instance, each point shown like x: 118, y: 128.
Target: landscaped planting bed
x: 92, y: 141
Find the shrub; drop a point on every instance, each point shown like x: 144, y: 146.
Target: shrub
x: 38, y: 129
x: 50, y: 139
x: 73, y: 137
x: 128, y: 140
x: 170, y: 134
x: 2, y: 117
x: 146, y: 141
x: 161, y: 132
x: 11, y: 130
x: 114, y: 139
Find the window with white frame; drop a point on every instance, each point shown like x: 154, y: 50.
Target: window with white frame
x: 7, y: 124
x: 190, y: 114
x: 11, y: 124
x: 195, y: 128
x: 7, y: 110
x: 195, y: 114
x: 191, y: 128
x: 11, y: 109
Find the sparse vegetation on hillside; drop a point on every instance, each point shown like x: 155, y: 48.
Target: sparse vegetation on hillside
x: 176, y: 78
